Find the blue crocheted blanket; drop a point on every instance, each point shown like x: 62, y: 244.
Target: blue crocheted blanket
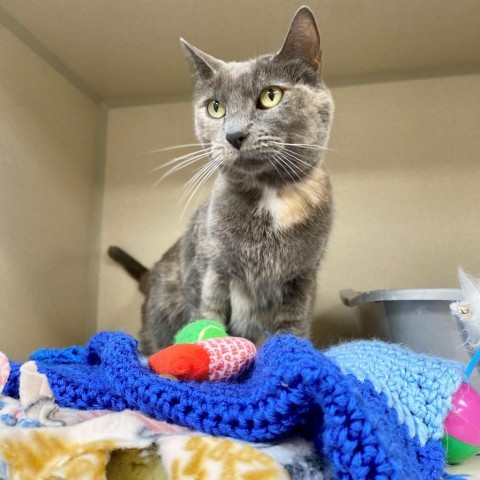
x: 374, y: 410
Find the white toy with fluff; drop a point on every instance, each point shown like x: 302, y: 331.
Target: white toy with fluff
x: 468, y: 310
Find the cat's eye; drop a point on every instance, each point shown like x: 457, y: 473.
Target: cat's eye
x: 270, y: 97
x: 215, y: 109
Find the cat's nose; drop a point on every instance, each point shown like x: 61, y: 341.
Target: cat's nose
x: 236, y: 139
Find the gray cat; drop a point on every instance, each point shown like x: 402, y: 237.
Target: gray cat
x: 250, y: 255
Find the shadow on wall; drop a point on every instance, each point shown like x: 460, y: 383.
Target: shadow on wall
x: 335, y: 324
x: 47, y: 151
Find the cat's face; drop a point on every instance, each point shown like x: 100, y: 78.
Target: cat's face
x: 267, y: 117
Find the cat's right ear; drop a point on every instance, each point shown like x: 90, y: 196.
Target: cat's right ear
x: 303, y: 40
x: 204, y: 66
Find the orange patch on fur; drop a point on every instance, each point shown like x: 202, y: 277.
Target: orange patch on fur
x: 300, y: 198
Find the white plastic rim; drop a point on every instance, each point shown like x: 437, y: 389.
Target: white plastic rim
x: 351, y: 298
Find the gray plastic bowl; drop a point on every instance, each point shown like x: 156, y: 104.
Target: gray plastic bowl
x: 419, y: 319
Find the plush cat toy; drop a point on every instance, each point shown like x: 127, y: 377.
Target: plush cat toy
x: 468, y: 310
x: 204, y: 351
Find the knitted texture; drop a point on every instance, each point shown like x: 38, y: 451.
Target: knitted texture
x: 291, y: 388
x: 65, y: 356
x: 419, y: 387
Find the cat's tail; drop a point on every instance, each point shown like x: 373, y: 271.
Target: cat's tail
x: 132, y: 266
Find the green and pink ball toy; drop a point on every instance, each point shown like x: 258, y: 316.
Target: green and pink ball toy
x: 462, y: 425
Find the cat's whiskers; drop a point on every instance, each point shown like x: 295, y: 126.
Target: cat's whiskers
x: 198, y: 177
x: 202, y: 182
x: 176, y: 147
x: 201, y: 179
x: 183, y: 157
x: 304, y: 145
x: 295, y: 156
x: 176, y: 169
x: 283, y: 165
x: 293, y: 166
x: 183, y: 164
x: 272, y: 163
x: 191, y: 183
x: 273, y: 160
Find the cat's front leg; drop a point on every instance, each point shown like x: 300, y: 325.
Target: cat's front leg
x: 294, y: 314
x: 215, y: 300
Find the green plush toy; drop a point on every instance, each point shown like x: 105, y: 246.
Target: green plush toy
x: 200, y: 330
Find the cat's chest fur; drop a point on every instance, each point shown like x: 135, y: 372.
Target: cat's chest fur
x: 272, y: 235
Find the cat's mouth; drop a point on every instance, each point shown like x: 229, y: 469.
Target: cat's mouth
x: 250, y: 164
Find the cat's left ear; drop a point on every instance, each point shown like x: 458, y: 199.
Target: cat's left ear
x: 303, y: 40
x: 204, y: 66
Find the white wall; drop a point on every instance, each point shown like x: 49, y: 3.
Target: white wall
x: 136, y: 216
x: 47, y: 157
x: 406, y: 177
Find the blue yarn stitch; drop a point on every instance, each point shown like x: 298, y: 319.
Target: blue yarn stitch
x: 292, y: 386
x: 419, y: 387
x: 75, y: 354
